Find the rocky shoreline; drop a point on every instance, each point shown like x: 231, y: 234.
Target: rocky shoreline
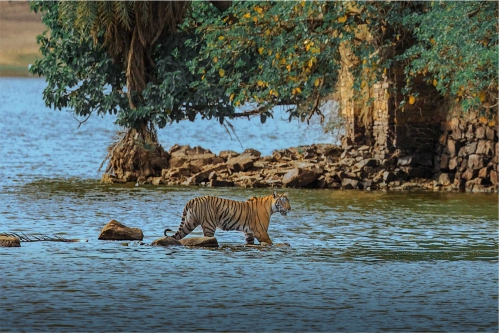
x: 314, y: 166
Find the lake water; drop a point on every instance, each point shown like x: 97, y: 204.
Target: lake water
x: 357, y: 261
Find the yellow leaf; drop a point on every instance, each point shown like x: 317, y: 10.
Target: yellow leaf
x: 237, y: 103
x: 247, y: 15
x: 317, y: 82
x: 260, y: 83
x: 435, y: 82
x: 342, y: 19
x: 258, y: 9
x: 215, y: 59
x: 255, y: 19
x: 231, y: 97
x: 432, y: 41
x: 283, y: 61
x: 302, y: 3
x: 412, y: 99
x: 288, y: 67
x: 482, y: 95
x: 311, y: 62
x: 221, y: 38
x: 260, y: 50
x: 293, y: 91
x: 221, y: 72
x: 298, y: 90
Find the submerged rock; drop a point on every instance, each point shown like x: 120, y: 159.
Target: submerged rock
x: 166, y: 241
x: 114, y: 230
x: 200, y: 241
x: 9, y: 241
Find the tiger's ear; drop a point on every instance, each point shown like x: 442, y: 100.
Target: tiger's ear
x: 275, y: 194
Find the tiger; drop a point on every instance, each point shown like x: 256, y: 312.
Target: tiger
x: 251, y: 217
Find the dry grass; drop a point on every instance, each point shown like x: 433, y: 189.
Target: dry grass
x: 18, y: 30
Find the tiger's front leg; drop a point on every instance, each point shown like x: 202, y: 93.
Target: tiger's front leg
x: 264, y: 238
x: 250, y: 238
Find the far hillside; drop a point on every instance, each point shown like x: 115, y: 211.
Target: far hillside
x: 18, y: 30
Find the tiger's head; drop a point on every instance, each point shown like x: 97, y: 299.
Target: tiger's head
x: 280, y: 203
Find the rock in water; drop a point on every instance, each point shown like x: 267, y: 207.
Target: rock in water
x: 114, y: 230
x: 200, y: 241
x: 166, y: 241
x: 9, y: 241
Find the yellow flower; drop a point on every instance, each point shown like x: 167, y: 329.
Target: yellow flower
x: 221, y: 72
x: 412, y: 99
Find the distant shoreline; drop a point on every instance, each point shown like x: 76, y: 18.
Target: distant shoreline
x: 18, y: 30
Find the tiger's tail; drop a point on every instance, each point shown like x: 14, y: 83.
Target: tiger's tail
x: 177, y: 234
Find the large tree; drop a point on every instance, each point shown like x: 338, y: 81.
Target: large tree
x: 125, y: 58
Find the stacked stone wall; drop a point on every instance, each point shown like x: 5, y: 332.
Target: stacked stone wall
x: 467, y: 154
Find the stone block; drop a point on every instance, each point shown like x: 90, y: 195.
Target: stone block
x: 475, y: 162
x: 480, y: 132
x: 471, y: 148
x: 444, y: 161
x: 493, y: 177
x: 453, y: 147
x: 485, y: 147
x: 453, y: 163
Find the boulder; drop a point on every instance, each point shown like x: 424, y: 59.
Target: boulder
x: 445, y: 179
x: 369, y: 162
x: 226, y: 154
x: 349, y: 184
x: 253, y: 152
x: 204, y: 175
x: 299, y: 177
x: 200, y: 241
x: 388, y: 176
x: 9, y: 241
x: 242, y: 162
x: 114, y: 230
x: 166, y: 241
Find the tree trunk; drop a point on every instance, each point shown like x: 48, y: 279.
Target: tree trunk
x: 136, y: 156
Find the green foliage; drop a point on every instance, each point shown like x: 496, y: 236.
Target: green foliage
x: 264, y: 54
x: 456, y: 50
x: 259, y: 54
x: 83, y: 77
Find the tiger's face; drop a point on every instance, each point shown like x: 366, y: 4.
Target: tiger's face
x: 281, y: 203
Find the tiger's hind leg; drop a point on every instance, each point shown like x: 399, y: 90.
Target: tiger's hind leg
x: 250, y: 238
x: 187, y: 224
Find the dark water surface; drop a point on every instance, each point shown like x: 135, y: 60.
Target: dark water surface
x: 357, y: 261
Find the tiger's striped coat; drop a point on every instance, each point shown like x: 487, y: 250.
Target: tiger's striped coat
x: 251, y: 217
